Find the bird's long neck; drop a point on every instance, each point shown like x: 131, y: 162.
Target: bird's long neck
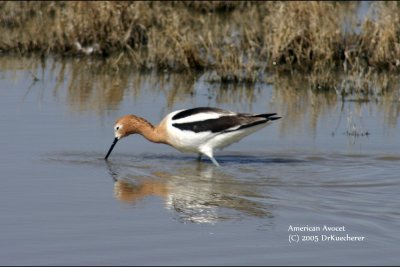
x: 151, y: 133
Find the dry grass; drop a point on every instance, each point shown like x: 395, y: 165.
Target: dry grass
x: 381, y: 37
x: 303, y: 35
x: 238, y: 41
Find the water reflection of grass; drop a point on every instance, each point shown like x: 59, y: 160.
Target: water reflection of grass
x: 92, y: 86
x: 316, y: 37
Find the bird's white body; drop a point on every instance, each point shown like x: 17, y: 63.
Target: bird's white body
x: 198, y: 130
x: 205, y: 142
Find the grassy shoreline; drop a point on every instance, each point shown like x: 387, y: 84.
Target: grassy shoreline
x: 238, y: 41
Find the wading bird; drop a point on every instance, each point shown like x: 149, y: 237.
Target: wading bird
x: 199, y: 130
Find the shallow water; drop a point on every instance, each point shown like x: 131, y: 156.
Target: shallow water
x: 62, y: 204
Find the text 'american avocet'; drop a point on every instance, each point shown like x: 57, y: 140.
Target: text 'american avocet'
x: 199, y: 130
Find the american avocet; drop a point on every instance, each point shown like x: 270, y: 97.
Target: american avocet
x: 198, y: 130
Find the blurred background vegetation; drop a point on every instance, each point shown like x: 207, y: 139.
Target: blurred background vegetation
x: 235, y: 41
x: 99, y: 51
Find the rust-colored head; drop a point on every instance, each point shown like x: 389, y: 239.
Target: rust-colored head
x: 127, y: 125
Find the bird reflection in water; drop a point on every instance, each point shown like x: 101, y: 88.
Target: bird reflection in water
x: 195, y: 193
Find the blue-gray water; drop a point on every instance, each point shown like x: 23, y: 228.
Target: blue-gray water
x: 62, y: 204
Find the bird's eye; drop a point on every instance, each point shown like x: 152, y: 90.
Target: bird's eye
x: 117, y: 128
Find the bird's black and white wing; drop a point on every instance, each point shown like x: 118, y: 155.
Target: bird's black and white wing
x: 216, y: 120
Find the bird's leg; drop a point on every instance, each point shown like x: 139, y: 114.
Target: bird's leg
x: 199, y: 157
x: 209, y: 153
x: 214, y: 161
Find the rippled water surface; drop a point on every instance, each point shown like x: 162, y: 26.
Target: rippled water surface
x: 62, y: 204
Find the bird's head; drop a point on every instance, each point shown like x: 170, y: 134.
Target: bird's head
x: 124, y: 126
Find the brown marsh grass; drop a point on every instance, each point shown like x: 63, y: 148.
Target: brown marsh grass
x: 238, y: 41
